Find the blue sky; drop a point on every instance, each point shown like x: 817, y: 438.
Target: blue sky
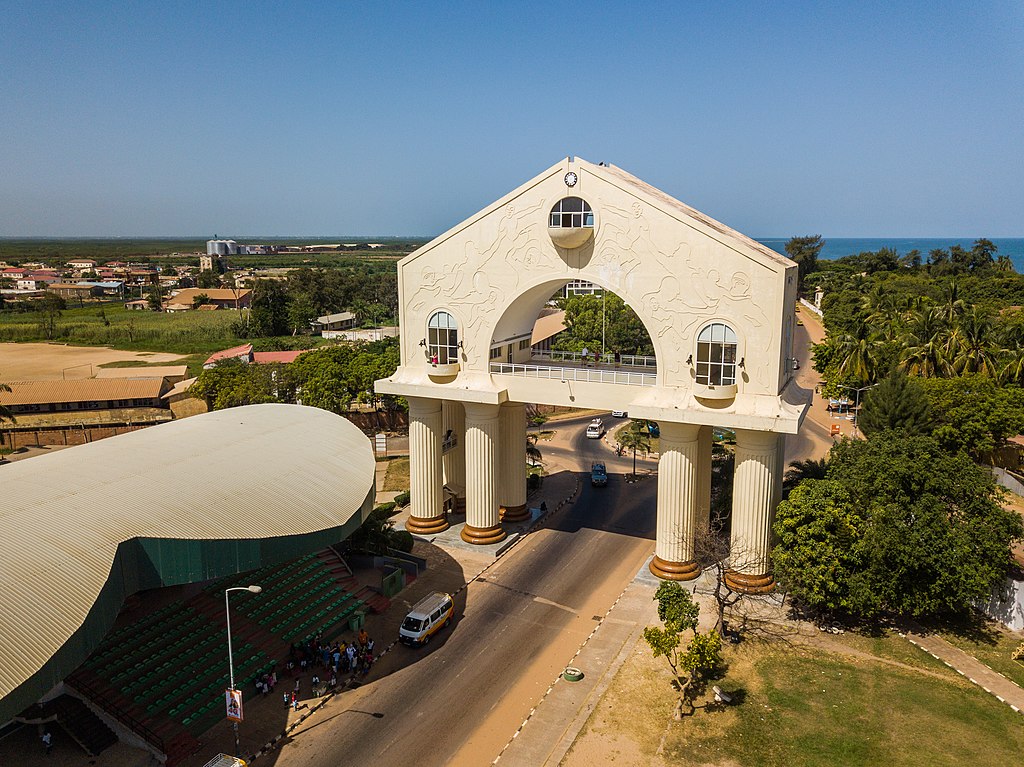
x: 249, y: 118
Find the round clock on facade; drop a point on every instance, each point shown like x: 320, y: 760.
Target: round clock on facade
x: 571, y: 179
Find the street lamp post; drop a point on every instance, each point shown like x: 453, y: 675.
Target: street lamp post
x: 231, y: 660
x: 856, y: 404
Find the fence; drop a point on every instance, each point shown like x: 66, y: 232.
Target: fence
x: 588, y: 375
x: 625, y: 360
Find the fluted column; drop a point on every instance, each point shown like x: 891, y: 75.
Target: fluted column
x: 512, y: 462
x: 704, y: 440
x: 426, y: 515
x: 482, y: 430
x: 453, y: 462
x: 677, y: 502
x: 754, y: 496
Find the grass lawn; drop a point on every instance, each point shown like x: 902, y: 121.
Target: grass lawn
x: 397, y: 478
x: 993, y: 645
x: 110, y: 324
x: 802, y: 706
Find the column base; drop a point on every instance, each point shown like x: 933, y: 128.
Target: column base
x: 481, y: 536
x: 674, y: 571
x: 513, y: 513
x: 426, y: 525
x: 746, y: 583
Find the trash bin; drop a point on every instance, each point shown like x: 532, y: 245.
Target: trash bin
x: 356, y: 621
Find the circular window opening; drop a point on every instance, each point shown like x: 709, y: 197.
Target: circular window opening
x: 571, y: 222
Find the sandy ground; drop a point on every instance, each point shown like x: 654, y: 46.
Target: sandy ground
x: 33, y: 362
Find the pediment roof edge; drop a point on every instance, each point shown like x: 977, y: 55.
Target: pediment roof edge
x: 711, y: 227
x: 496, y: 205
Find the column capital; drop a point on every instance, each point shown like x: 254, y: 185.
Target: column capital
x: 756, y: 440
x: 420, y: 407
x: 678, y: 432
x: 480, y: 411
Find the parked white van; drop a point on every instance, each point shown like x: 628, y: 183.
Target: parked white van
x: 426, y: 618
x: 596, y: 429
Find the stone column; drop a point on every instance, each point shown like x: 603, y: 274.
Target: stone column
x: 512, y: 462
x: 704, y: 440
x: 426, y: 515
x: 482, y: 430
x: 755, y: 489
x: 677, y: 502
x: 453, y: 462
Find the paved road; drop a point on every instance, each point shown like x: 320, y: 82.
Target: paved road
x: 465, y: 695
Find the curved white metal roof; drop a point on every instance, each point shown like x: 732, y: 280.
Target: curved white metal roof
x: 252, y: 472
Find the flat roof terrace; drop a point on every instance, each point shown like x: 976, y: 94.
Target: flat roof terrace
x: 629, y: 370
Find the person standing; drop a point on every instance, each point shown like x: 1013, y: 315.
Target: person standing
x: 47, y: 742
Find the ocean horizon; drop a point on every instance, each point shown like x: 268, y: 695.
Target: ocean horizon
x: 837, y: 247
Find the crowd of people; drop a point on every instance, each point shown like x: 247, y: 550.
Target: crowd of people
x: 333, y: 661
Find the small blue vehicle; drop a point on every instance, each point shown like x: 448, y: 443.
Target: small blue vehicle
x: 598, y: 475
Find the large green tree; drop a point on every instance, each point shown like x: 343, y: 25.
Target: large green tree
x: 269, y: 313
x: 974, y: 413
x: 897, y: 403
x: 805, y: 251
x: 232, y: 383
x: 589, y: 318
x: 900, y: 526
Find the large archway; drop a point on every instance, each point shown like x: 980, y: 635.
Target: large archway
x: 715, y: 303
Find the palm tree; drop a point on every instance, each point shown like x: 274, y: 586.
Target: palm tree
x: 635, y: 437
x: 5, y: 412
x: 857, y: 353
x: 952, y: 305
x: 925, y: 344
x: 1004, y: 264
x: 1012, y: 368
x: 532, y: 451
x: 970, y: 344
x: 798, y: 471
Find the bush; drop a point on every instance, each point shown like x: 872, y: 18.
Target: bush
x: 402, y: 499
x: 385, y: 509
x: 402, y: 540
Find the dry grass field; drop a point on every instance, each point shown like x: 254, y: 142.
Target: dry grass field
x: 33, y: 362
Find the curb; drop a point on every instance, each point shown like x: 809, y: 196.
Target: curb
x: 973, y: 681
x: 560, y: 677
x: 273, y: 744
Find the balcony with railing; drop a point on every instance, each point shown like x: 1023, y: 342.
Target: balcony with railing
x: 627, y: 370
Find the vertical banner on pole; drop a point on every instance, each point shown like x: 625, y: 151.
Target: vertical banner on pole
x: 233, y: 701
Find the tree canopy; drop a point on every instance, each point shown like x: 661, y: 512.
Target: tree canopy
x: 974, y: 413
x: 897, y: 403
x: 898, y: 525
x: 587, y: 317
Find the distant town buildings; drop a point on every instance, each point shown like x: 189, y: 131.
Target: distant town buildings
x: 221, y: 248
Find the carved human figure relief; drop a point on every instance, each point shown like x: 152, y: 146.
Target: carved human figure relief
x: 518, y: 230
x: 441, y: 280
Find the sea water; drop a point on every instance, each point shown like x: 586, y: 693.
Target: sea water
x: 845, y: 246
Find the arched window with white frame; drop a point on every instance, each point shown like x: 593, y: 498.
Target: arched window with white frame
x: 442, y: 338
x: 716, y: 355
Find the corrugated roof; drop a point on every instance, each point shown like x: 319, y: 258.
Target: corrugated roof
x: 262, y: 358
x: 80, y: 390
x: 547, y: 326
x: 207, y: 477
x: 172, y: 372
x: 188, y: 295
x: 339, y: 317
x: 179, y: 388
x: 226, y: 354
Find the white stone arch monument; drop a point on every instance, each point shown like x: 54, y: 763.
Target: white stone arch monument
x: 681, y: 272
